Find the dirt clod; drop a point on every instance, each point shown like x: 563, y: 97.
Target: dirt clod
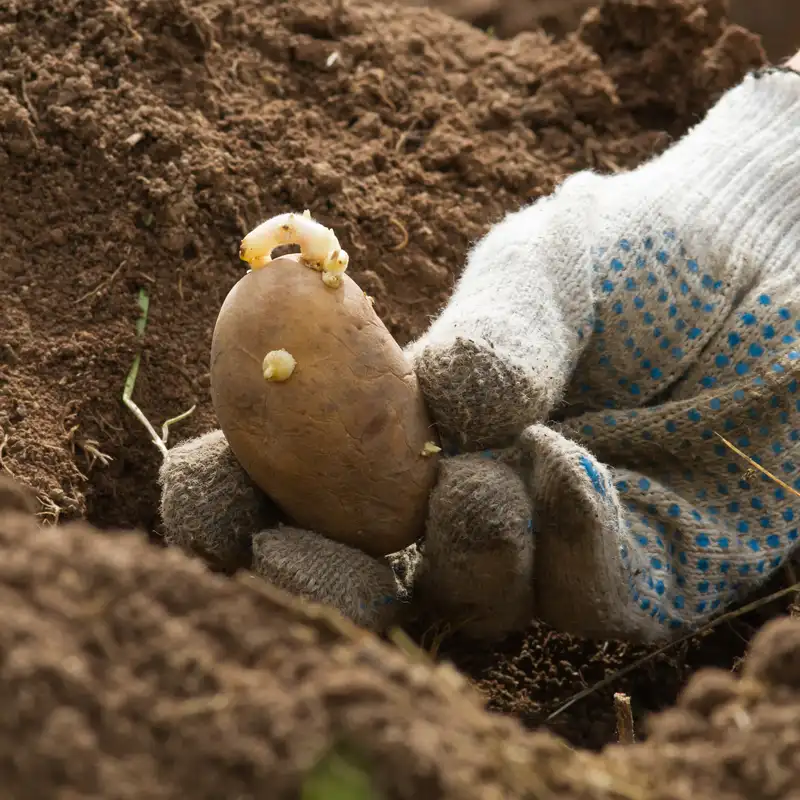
x: 129, y: 672
x: 747, y: 746
x: 775, y: 656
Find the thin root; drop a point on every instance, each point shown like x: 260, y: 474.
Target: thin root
x: 3, y: 444
x: 621, y: 673
x: 92, y: 450
x: 23, y: 90
x: 104, y: 284
x: 138, y: 413
x: 159, y: 441
x: 166, y: 426
x: 403, y: 233
x: 51, y: 511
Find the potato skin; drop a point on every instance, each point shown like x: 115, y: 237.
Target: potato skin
x: 338, y: 445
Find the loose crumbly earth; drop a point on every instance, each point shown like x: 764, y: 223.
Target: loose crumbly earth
x: 140, y: 139
x: 128, y: 673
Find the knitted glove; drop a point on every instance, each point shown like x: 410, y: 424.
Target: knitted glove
x: 498, y: 356
x: 475, y: 569
x: 211, y: 508
x: 541, y: 312
x: 660, y: 305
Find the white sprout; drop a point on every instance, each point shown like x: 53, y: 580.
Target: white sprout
x: 319, y: 247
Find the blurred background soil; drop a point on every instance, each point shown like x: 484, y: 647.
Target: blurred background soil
x: 777, y: 22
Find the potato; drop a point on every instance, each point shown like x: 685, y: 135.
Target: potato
x: 340, y: 437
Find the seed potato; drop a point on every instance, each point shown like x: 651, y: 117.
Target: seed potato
x: 322, y: 408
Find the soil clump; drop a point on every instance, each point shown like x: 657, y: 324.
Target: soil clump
x: 127, y: 673
x: 776, y: 22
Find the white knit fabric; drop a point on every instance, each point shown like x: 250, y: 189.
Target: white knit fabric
x: 649, y: 311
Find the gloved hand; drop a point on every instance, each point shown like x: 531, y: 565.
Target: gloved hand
x: 597, y: 341
x: 611, y: 332
x: 474, y: 568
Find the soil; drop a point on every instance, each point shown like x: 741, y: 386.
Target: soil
x: 777, y: 22
x: 128, y: 673
x: 140, y: 139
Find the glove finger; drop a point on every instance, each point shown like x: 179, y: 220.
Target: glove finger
x: 581, y: 584
x: 479, y: 396
x: 303, y: 563
x: 477, y: 561
x: 209, y: 505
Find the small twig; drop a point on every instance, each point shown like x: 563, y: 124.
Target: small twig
x: 403, y: 642
x: 622, y: 709
x: 106, y: 282
x: 404, y: 136
x: 23, y: 89
x: 3, y: 444
x: 607, y: 681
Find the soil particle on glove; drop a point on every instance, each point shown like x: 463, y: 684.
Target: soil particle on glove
x: 140, y: 139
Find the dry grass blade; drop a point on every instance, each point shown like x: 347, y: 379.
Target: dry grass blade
x: 754, y: 465
x: 403, y: 642
x: 130, y: 382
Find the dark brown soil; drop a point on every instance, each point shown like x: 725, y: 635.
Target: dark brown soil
x: 129, y: 673
x: 139, y: 139
x: 777, y: 22
x: 730, y: 738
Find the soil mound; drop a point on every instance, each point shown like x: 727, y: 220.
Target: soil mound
x: 777, y: 22
x: 730, y: 738
x: 129, y: 673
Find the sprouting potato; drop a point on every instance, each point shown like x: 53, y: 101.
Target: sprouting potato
x: 320, y: 246
x: 317, y: 400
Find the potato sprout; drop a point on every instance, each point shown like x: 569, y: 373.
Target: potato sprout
x: 278, y: 365
x: 319, y: 247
